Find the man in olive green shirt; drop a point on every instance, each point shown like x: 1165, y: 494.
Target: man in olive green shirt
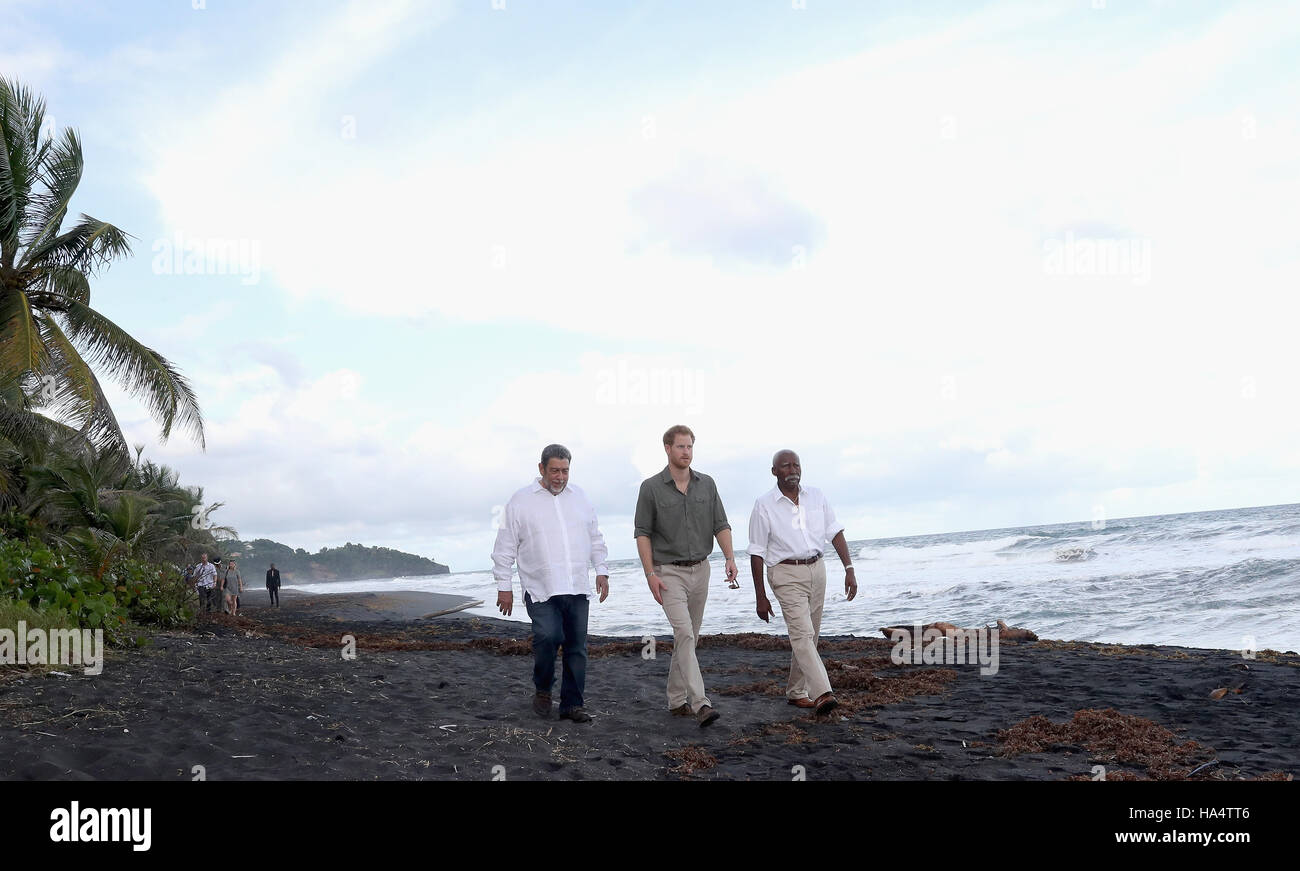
x: 678, y: 514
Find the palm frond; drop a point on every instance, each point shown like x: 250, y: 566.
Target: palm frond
x: 143, y: 372
x: 90, y: 243
x: 60, y: 173
x: 22, y: 354
x: 21, y: 116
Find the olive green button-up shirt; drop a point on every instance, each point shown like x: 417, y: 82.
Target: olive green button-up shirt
x: 680, y: 526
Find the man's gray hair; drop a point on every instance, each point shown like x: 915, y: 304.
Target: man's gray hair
x: 555, y: 452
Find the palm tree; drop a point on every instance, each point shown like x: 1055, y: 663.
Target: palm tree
x: 102, y: 507
x: 51, y: 340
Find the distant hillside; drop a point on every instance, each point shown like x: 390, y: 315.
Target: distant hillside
x: 350, y: 562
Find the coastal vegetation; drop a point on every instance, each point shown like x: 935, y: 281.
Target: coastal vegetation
x: 91, y: 532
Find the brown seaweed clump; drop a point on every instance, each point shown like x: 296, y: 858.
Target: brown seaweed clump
x: 794, y: 733
x: 690, y: 759
x: 1113, y: 738
x: 857, y: 686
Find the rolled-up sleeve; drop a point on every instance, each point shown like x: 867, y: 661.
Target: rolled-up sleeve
x: 758, y: 533
x: 833, y: 526
x: 719, y: 513
x: 644, y: 519
x: 505, y: 551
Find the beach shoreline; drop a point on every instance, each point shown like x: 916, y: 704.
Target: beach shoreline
x: 273, y: 694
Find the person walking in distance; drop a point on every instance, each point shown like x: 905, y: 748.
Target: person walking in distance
x: 232, y: 584
x: 678, y: 514
x: 550, y: 531
x: 788, y: 531
x: 205, y: 574
x: 273, y: 585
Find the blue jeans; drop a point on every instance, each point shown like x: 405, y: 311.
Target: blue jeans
x: 560, y: 621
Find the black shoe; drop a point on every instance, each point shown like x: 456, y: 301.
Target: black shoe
x: 542, y: 705
x: 577, y: 715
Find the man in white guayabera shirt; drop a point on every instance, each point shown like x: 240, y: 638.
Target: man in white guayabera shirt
x: 549, y: 530
x: 788, y: 530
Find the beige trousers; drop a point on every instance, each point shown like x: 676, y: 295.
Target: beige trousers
x: 801, y: 590
x: 686, y: 589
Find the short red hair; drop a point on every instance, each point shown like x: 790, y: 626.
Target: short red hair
x: 674, y: 431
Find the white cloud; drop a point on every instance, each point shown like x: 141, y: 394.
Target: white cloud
x: 923, y: 330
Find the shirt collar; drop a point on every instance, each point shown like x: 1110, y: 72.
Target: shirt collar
x: 537, y: 485
x: 666, y: 476
x: 777, y: 495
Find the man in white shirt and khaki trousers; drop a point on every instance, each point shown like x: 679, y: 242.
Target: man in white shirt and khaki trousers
x: 788, y: 530
x: 550, y: 531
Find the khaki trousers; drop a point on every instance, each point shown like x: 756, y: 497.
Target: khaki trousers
x: 801, y: 590
x: 686, y: 589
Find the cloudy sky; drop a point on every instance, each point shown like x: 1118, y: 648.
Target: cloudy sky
x: 981, y: 264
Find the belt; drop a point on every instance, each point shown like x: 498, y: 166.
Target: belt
x: 686, y: 563
x: 800, y: 562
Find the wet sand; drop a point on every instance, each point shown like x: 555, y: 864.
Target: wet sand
x: 270, y: 695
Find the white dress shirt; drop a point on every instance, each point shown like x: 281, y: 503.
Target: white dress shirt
x: 780, y: 530
x: 553, y: 539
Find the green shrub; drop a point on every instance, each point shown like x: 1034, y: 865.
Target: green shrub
x: 47, y: 581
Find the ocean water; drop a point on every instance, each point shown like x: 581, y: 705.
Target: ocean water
x: 1218, y: 579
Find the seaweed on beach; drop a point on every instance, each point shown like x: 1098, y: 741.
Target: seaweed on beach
x: 793, y: 732
x: 690, y: 759
x: 858, y: 686
x: 1113, y: 738
x: 744, y: 640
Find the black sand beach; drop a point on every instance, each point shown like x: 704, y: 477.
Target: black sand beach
x: 269, y: 695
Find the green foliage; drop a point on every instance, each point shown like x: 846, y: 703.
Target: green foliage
x: 14, y: 610
x: 47, y: 581
x: 160, y: 596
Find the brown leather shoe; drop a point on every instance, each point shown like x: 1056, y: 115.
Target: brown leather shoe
x: 826, y: 703
x: 805, y: 702
x: 542, y: 705
x: 577, y: 715
x: 706, y: 715
x: 682, y: 710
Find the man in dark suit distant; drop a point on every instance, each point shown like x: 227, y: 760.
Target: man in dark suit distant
x: 273, y: 584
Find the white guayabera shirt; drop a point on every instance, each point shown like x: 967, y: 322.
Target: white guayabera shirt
x: 553, y: 540
x: 780, y: 530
